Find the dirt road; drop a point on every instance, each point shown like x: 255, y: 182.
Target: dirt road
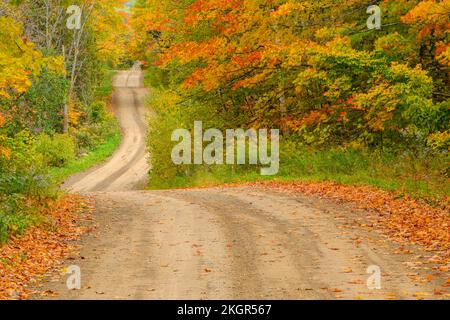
x: 128, y: 167
x: 219, y: 243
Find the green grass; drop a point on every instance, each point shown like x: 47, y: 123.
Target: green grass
x: 95, y: 157
x: 420, y: 178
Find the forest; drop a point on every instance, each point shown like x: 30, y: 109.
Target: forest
x: 355, y: 103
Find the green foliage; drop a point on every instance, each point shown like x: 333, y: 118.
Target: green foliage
x: 170, y: 112
x: 23, y: 175
x: 161, y: 124
x: 96, y: 156
x: 41, y: 60
x: 98, y: 125
x: 32, y: 166
x: 105, y: 85
x: 415, y: 175
x: 15, y: 217
x: 57, y: 150
x: 43, y: 104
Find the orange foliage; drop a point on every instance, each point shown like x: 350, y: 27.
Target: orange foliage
x: 432, y: 15
x: 2, y: 120
x: 40, y: 250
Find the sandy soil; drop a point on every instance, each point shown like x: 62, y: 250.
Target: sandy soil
x: 219, y: 243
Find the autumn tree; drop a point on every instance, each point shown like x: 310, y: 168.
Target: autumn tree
x: 86, y: 52
x: 310, y: 68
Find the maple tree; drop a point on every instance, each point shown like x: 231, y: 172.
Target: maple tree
x: 431, y: 19
x: 19, y: 60
x: 310, y: 68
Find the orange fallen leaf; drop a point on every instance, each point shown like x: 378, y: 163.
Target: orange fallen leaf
x: 438, y: 292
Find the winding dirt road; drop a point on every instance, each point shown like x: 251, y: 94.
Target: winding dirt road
x: 128, y: 167
x: 219, y: 243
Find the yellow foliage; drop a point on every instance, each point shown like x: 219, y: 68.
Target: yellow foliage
x: 439, y: 140
x: 19, y: 60
x: 55, y: 64
x: 443, y: 54
x: 74, y: 115
x: 431, y: 15
x: 5, y: 153
x: 111, y: 30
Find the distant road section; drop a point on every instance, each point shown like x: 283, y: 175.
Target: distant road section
x: 128, y: 168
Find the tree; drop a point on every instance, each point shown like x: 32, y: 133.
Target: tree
x: 311, y: 68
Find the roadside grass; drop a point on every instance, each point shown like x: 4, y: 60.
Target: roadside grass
x: 418, y: 178
x: 98, y: 155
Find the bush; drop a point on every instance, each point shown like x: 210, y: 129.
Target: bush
x: 23, y: 179
x: 45, y: 99
x: 92, y: 135
x: 13, y: 217
x: 57, y: 150
x: 170, y: 112
x: 98, y: 112
x: 99, y: 124
x: 23, y: 170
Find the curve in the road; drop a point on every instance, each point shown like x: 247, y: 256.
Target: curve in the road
x: 128, y: 168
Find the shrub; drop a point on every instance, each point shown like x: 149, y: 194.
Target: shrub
x: 45, y: 99
x: 23, y: 170
x: 13, y: 217
x: 57, y: 150
x: 99, y: 124
x: 91, y: 135
x: 23, y: 179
